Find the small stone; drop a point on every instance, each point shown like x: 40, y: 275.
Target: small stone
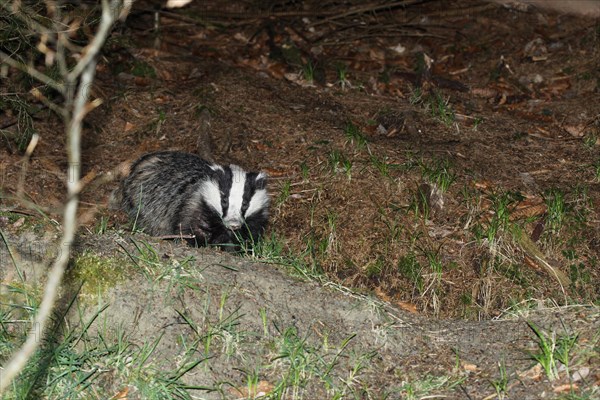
x: 580, y: 374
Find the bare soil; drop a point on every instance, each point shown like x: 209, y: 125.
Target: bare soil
x: 510, y: 106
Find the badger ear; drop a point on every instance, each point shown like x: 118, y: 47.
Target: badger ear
x: 215, y: 167
x: 261, y: 180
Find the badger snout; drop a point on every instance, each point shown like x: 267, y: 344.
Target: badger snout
x: 233, y: 224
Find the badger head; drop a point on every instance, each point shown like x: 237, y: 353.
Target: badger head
x: 240, y: 200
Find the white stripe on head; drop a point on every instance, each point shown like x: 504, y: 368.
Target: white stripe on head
x: 261, y: 177
x: 212, y: 195
x: 259, y: 201
x: 234, y: 219
x: 215, y: 167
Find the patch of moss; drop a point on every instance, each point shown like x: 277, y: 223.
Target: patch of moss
x: 143, y: 70
x: 98, y: 273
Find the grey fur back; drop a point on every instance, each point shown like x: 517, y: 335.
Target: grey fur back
x: 159, y: 187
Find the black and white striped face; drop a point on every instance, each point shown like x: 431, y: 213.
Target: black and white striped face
x: 236, y: 195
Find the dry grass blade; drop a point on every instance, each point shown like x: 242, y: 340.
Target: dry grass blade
x: 528, y: 212
x: 536, y: 255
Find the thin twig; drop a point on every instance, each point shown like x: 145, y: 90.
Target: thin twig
x: 34, y: 73
x: 368, y: 8
x: 35, y: 138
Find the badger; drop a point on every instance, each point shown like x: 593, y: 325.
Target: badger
x: 171, y: 193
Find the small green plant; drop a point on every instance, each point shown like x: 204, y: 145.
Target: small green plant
x: 552, y: 349
x: 342, y: 75
x: 269, y: 249
x: 392, y: 222
x: 298, y: 356
x: 555, y: 203
x: 439, y: 172
x: 338, y: 161
x: 435, y: 263
x: 416, y: 96
x: 564, y: 345
x: 435, y: 103
x: 596, y: 170
x: 355, y: 135
x: 347, y: 166
x: 284, y: 193
x: 590, y: 140
x: 252, y: 382
x: 409, y: 266
x: 419, y: 204
x: 423, y: 387
x: 433, y: 279
x: 102, y: 226
x: 143, y: 70
x: 500, y: 219
x: 501, y: 384
x: 374, y: 268
x: 304, y: 171
x: 308, y: 72
x: 440, y: 108
x: 146, y: 258
x: 359, y: 365
x: 580, y: 208
x: 382, y: 165
x: 263, y: 317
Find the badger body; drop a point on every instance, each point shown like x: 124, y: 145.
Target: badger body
x: 175, y: 193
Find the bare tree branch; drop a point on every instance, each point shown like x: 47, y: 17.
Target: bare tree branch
x: 109, y: 12
x: 83, y: 73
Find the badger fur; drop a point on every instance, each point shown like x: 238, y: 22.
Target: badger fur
x: 175, y: 193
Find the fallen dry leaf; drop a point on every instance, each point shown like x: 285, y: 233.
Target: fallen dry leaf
x: 18, y: 223
x: 575, y: 130
x: 263, y: 388
x: 567, y: 387
x: 533, y: 373
x: 382, y: 295
x: 121, y: 395
x: 177, y: 3
x: 406, y: 306
x: 527, y: 212
x: 274, y: 173
x: 129, y: 126
x: 486, y: 93
x: 469, y: 367
x: 483, y: 185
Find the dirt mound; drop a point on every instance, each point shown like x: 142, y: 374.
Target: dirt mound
x: 245, y: 316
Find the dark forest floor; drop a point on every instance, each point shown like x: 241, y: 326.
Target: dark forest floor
x: 443, y: 157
